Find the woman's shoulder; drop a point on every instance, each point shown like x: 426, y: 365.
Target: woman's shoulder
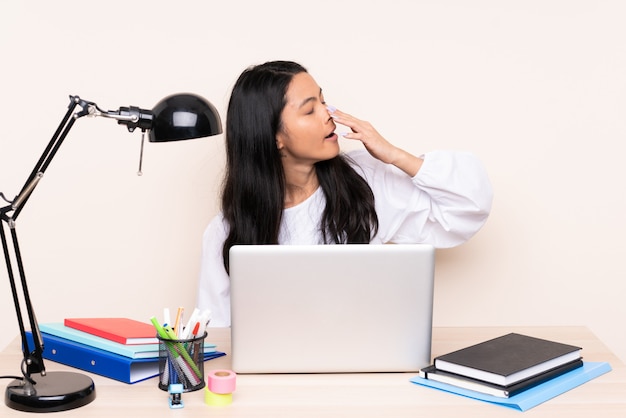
x: 217, y: 228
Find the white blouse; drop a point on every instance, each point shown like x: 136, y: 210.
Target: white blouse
x: 444, y: 205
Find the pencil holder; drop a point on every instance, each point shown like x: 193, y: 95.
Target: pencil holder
x: 181, y: 361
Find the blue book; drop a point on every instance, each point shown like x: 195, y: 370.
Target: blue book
x: 135, y: 351
x: 102, y: 362
x: 533, y: 396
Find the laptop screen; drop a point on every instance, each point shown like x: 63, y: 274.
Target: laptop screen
x: 331, y: 308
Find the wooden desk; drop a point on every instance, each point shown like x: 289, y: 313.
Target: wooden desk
x: 345, y: 395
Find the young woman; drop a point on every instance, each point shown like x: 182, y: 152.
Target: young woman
x: 287, y: 182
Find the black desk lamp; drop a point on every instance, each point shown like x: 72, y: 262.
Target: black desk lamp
x: 177, y: 117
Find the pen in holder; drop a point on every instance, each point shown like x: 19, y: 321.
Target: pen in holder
x: 181, y: 361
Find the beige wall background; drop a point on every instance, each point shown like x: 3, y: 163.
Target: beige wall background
x: 535, y: 88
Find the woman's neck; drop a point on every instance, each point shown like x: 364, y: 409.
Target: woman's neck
x: 300, y: 184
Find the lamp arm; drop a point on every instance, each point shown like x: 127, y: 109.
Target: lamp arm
x: 46, y: 157
x: 33, y: 359
x: 132, y: 117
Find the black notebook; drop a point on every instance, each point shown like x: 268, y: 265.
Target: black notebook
x: 508, y: 359
x: 432, y: 373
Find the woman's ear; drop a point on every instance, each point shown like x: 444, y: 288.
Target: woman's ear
x: 279, y: 141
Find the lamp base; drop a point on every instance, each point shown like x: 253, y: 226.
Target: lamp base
x: 56, y: 391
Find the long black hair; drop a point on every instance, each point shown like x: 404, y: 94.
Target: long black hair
x: 253, y: 194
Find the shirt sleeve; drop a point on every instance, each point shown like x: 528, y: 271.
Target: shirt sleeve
x: 214, y: 283
x: 444, y: 205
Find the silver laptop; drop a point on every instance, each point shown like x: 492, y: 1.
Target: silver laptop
x: 331, y: 308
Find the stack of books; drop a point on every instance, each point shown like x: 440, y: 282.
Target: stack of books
x: 513, y: 370
x: 118, y: 348
x: 505, y: 366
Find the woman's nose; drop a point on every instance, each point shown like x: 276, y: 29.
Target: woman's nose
x: 330, y: 109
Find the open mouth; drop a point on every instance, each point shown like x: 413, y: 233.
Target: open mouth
x: 329, y: 135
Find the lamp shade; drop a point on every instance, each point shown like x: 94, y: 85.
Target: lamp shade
x: 184, y: 116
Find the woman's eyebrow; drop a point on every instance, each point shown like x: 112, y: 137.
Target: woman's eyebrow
x: 309, y: 99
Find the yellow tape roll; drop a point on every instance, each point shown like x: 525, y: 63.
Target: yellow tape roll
x: 217, y: 399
